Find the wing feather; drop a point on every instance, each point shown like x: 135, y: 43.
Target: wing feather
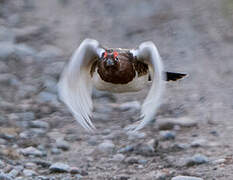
x: 148, y: 53
x: 75, y: 85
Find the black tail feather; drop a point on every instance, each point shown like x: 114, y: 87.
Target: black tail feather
x: 172, y: 76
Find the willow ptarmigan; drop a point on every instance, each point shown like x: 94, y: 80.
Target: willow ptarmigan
x: 116, y: 70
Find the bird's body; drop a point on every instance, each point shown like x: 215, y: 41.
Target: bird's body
x: 129, y: 75
x: 115, y: 70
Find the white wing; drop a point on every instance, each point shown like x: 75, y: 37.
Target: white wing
x: 148, y: 53
x: 75, y: 84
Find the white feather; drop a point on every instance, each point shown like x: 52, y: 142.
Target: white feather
x: 148, y: 53
x: 75, y: 84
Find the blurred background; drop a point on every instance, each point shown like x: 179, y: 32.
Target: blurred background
x: 192, y: 135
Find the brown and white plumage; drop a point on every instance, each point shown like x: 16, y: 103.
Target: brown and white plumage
x: 115, y: 70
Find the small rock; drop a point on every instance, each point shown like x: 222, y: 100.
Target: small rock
x: 8, y: 79
x: 199, y: 143
x: 31, y: 151
x: 6, y: 34
x: 133, y: 105
x: 131, y: 160
x: 118, y: 157
x: 196, y: 159
x: 106, y: 146
x: 6, y: 50
x: 170, y: 123
x: 39, y: 124
x: 26, y: 116
x: 45, y: 97
x: 2, y: 164
x: 55, y: 151
x: 13, y: 173
x: 167, y: 135
x: 135, y: 135
x: 4, y: 176
x: 30, y: 165
x: 22, y: 50
x: 186, y: 178
x: 29, y: 173
x: 42, y: 163
x: 160, y: 176
x: 75, y: 170
x: 93, y: 141
x: 50, y: 84
x: 219, y: 161
x: 144, y: 149
x: 61, y: 144
x: 59, y: 168
x: 3, y: 67
x: 126, y: 149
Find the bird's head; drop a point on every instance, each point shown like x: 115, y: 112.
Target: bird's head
x: 110, y: 59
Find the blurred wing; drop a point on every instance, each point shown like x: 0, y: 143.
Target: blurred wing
x: 75, y: 84
x: 148, y: 53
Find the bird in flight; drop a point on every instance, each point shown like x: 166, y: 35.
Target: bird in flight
x: 115, y: 70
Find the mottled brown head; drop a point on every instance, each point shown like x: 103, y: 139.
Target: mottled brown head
x: 110, y: 59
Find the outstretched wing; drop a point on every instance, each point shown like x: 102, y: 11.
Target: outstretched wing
x: 75, y: 84
x: 148, y: 53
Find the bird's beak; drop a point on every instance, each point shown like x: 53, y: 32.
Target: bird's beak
x: 109, y: 62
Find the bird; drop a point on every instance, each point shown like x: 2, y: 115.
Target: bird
x: 116, y: 70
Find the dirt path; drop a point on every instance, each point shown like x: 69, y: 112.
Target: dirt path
x: 193, y: 36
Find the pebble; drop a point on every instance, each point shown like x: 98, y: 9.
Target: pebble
x: 26, y: 116
x: 61, y: 144
x: 199, y: 143
x: 39, y: 124
x: 118, y: 157
x: 30, y: 165
x: 50, y: 84
x: 75, y: 170
x: 59, y: 168
x: 107, y: 146
x: 219, y: 161
x: 144, y: 149
x: 133, y: 105
x: 135, y: 135
x: 55, y: 151
x: 31, y: 151
x: 167, y: 135
x: 160, y: 176
x: 4, y: 176
x: 131, y: 160
x: 126, y: 149
x: 13, y: 173
x: 2, y: 164
x: 47, y: 97
x: 6, y: 34
x: 186, y: 178
x: 170, y: 123
x: 93, y: 141
x: 3, y: 67
x: 29, y: 173
x: 196, y: 160
x: 6, y: 50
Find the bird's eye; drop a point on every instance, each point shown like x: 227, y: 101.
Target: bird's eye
x: 116, y: 59
x: 115, y: 54
x: 105, y: 54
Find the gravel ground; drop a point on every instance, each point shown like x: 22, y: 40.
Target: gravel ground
x: 192, y: 136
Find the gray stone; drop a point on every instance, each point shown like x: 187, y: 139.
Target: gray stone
x: 59, y: 168
x: 144, y: 149
x: 93, y: 141
x: 6, y: 34
x: 133, y: 105
x: 131, y: 160
x: 161, y: 176
x: 61, y: 144
x: 186, y: 178
x: 8, y: 79
x: 2, y: 164
x: 199, y: 143
x: 196, y: 159
x: 22, y: 50
x: 170, y: 123
x: 4, y: 176
x: 13, y: 173
x: 135, y: 135
x: 6, y: 49
x: 39, y: 124
x: 26, y: 116
x: 3, y: 67
x: 118, y: 157
x: 55, y: 151
x: 29, y: 173
x: 45, y: 97
x: 50, y: 84
x: 167, y: 135
x: 126, y: 149
x: 75, y: 170
x: 31, y: 151
x: 106, y: 146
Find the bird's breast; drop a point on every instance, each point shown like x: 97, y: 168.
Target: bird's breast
x: 121, y: 73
